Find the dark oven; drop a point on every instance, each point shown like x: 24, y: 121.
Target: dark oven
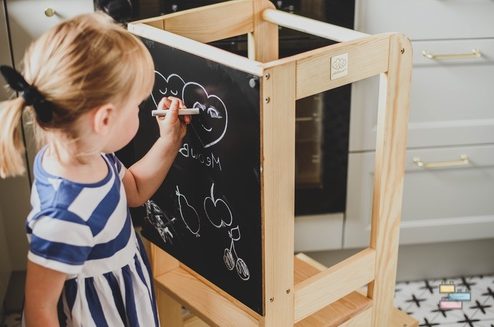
x: 322, y: 129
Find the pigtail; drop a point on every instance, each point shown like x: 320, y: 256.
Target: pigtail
x: 11, y: 145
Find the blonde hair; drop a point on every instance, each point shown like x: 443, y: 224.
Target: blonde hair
x: 78, y: 65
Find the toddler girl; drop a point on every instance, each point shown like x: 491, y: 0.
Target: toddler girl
x: 83, y: 81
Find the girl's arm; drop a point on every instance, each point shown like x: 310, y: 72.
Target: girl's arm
x: 144, y: 177
x: 43, y: 289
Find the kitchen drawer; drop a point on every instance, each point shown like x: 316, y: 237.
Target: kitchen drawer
x: 28, y: 21
x: 451, y: 100
x: 439, y: 204
x: 427, y: 19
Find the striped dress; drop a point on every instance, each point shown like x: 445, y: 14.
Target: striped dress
x: 85, y: 231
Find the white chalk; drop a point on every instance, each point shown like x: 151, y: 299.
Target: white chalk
x: 187, y: 111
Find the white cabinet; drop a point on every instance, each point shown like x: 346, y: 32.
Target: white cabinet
x: 439, y: 204
x: 451, y: 101
x: 14, y: 192
x: 28, y: 19
x: 451, y: 117
x: 4, y: 47
x: 318, y: 232
x: 427, y: 19
x: 5, y: 264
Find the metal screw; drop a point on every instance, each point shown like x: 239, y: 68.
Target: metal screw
x: 402, y: 50
x: 267, y: 75
x: 267, y: 99
x: 271, y: 299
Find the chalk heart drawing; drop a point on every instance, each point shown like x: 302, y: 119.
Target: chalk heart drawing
x: 166, y: 86
x: 188, y: 213
x: 212, y: 122
x: 217, y: 211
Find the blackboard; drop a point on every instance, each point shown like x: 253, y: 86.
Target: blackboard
x: 207, y: 213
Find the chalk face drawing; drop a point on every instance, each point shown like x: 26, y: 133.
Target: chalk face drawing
x: 160, y: 221
x: 212, y: 122
x: 188, y: 213
x: 217, y: 211
x: 166, y: 86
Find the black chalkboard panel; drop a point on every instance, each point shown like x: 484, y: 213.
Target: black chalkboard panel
x: 207, y: 213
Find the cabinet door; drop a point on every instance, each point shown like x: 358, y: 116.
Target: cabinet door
x: 450, y: 98
x: 5, y: 266
x: 28, y: 19
x: 426, y: 19
x: 439, y: 204
x: 14, y: 199
x: 5, y: 58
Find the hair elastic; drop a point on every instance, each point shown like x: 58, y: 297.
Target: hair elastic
x: 31, y: 95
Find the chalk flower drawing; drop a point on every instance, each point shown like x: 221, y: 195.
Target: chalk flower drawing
x: 159, y: 220
x: 188, y: 213
x: 217, y: 211
x: 231, y: 258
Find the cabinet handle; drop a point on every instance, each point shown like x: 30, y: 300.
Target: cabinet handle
x: 50, y: 12
x: 463, y: 161
x: 475, y: 53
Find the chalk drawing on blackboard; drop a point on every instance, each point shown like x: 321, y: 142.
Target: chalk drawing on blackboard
x: 213, y: 118
x: 217, y: 211
x: 159, y: 220
x: 231, y: 258
x: 188, y: 213
x: 166, y: 86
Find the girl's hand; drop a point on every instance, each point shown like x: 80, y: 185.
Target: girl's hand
x: 172, y: 127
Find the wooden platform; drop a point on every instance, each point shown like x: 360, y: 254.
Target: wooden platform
x: 215, y: 308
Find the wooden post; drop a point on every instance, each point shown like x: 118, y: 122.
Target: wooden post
x: 265, y: 34
x: 278, y: 192
x: 170, y: 311
x: 392, y: 128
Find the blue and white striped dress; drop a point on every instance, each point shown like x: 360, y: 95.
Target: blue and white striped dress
x: 85, y: 231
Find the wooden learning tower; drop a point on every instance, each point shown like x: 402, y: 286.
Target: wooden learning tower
x: 296, y: 289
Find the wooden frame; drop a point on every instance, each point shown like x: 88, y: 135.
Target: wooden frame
x: 297, y: 290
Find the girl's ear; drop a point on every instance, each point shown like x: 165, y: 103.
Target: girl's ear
x: 103, y: 118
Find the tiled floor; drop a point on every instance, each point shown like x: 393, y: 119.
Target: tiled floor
x: 421, y: 300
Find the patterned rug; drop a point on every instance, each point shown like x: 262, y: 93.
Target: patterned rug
x: 472, y: 300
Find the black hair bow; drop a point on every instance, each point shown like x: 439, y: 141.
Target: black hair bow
x: 31, y: 95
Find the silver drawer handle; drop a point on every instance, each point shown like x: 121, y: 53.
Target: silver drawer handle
x: 50, y: 12
x: 463, y: 161
x: 445, y: 56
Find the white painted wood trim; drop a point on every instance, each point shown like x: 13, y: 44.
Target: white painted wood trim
x: 197, y: 48
x: 311, y: 26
